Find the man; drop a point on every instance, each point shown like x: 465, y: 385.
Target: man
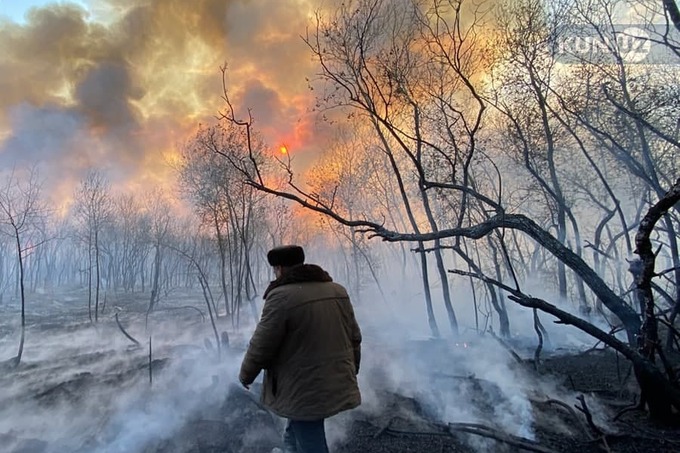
x: 309, y: 344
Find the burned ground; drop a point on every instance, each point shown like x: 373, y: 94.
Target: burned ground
x: 88, y: 389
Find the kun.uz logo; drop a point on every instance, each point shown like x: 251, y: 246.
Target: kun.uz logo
x: 633, y: 44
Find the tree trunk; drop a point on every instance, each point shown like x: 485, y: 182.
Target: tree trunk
x: 431, y: 319
x: 156, y: 277
x: 97, y: 279
x: 497, y: 300
x: 654, y: 396
x: 223, y: 265
x: 23, y: 300
x: 675, y: 260
x: 89, y: 275
x: 673, y: 12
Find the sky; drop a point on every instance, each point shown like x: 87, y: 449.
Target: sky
x: 119, y: 85
x: 15, y: 10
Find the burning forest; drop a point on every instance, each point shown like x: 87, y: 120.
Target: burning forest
x: 487, y: 194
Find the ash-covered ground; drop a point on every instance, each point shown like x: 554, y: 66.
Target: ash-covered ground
x: 87, y: 388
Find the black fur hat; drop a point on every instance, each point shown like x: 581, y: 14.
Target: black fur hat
x: 286, y: 255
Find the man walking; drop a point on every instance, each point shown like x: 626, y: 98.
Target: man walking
x: 308, y: 343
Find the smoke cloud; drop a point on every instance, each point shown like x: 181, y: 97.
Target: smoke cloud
x: 118, y: 85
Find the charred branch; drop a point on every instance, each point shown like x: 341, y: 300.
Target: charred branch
x: 648, y: 374
x: 572, y: 412
x: 127, y: 335
x: 589, y: 416
x: 486, y: 431
x: 513, y: 221
x: 452, y: 429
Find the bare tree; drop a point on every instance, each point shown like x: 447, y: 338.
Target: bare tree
x: 127, y: 245
x: 367, y: 55
x: 648, y: 343
x: 629, y: 112
x: 93, y: 209
x: 21, y: 210
x: 160, y: 224
x: 344, y: 178
x: 537, y: 133
x: 396, y: 71
x: 192, y: 255
x: 232, y: 209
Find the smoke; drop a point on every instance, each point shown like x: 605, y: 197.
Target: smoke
x: 86, y: 388
x: 472, y: 378
x: 118, y: 85
x: 116, y: 88
x: 455, y: 380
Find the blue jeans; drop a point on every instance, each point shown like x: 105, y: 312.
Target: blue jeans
x: 305, y: 437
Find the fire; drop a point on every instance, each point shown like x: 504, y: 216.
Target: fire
x: 283, y: 149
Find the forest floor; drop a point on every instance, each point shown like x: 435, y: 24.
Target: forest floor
x: 559, y: 426
x: 89, y: 389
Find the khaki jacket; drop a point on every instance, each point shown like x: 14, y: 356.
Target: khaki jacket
x: 309, y: 344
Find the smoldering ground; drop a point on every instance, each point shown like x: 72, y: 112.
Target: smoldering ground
x: 89, y: 388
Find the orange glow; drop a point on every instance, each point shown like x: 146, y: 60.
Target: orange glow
x: 162, y: 92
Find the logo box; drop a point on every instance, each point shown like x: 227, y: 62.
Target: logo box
x: 633, y: 44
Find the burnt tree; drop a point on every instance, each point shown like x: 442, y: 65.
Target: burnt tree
x: 649, y: 344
